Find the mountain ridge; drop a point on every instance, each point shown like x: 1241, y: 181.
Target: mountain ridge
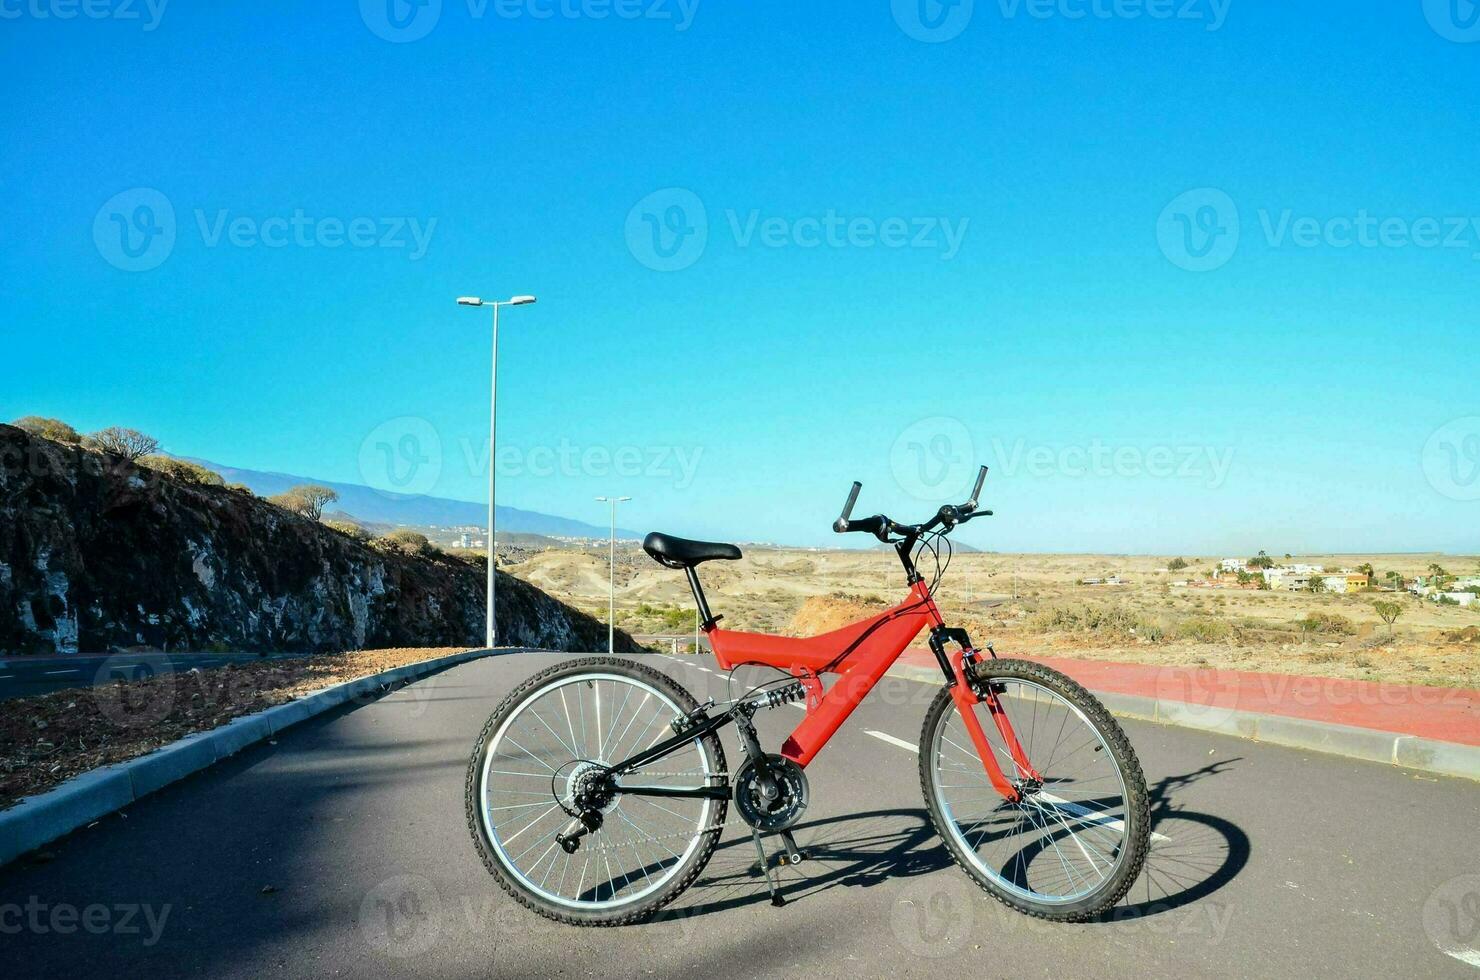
x: 383, y: 507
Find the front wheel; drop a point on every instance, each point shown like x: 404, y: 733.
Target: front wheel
x: 542, y: 759
x: 1070, y: 847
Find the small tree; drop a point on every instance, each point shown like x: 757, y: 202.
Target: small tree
x: 1262, y: 560
x: 130, y: 444
x: 1317, y: 583
x: 308, y: 499
x: 1389, y: 611
x: 54, y: 429
x: 1395, y: 579
x: 1439, y: 574
x: 1176, y: 564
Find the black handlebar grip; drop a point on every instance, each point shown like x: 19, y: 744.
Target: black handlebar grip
x: 976, y: 492
x: 876, y: 525
x: 841, y: 524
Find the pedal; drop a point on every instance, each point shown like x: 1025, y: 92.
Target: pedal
x: 794, y: 854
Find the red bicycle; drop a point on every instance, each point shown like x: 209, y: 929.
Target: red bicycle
x: 598, y: 788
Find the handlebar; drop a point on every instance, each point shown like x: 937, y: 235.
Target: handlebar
x: 881, y: 527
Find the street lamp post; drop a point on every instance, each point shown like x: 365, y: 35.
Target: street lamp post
x: 611, y: 607
x: 490, y: 632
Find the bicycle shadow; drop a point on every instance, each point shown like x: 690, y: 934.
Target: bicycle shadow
x: 1198, y: 855
x: 858, y: 850
x: 1195, y: 855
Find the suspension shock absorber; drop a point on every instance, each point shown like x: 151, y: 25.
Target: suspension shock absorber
x: 778, y: 696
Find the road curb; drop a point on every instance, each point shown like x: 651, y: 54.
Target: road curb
x: 1369, y: 744
x: 39, y: 820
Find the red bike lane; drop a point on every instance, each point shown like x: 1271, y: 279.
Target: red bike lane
x: 1445, y: 714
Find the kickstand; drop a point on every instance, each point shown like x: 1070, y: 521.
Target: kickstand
x: 776, y: 897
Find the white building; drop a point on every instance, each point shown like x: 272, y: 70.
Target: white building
x: 1233, y: 565
x: 1286, y: 578
x: 1334, y: 583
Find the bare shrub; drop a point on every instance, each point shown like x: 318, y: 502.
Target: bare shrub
x: 129, y: 444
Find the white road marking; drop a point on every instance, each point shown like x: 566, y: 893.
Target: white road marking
x: 1109, y: 823
x: 886, y: 737
x: 1469, y: 956
x: 55, y: 673
x: 1089, y: 816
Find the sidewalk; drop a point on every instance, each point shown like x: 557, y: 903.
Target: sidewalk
x: 1433, y: 728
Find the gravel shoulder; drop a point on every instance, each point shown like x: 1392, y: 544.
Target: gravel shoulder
x: 48, y: 739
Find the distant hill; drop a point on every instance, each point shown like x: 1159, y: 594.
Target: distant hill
x: 379, y: 507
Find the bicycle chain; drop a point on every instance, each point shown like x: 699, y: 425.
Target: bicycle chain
x: 686, y: 835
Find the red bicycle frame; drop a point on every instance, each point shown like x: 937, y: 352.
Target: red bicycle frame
x: 868, y: 649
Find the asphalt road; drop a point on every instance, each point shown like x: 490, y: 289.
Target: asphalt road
x: 26, y: 676
x: 342, y: 850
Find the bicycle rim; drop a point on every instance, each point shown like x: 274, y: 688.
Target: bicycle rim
x: 535, y: 761
x: 1066, y: 838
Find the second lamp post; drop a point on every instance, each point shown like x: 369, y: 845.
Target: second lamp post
x: 611, y: 609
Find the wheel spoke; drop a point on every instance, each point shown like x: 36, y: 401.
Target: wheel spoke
x: 637, y: 850
x: 1046, y: 849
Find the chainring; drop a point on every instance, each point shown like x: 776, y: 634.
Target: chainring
x: 786, y: 808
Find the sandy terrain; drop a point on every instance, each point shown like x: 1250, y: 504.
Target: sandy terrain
x: 1035, y: 604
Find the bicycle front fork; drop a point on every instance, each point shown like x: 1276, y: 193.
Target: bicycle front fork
x: 967, y: 692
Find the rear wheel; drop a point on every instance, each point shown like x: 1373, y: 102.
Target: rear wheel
x: 1072, y: 845
x: 540, y: 760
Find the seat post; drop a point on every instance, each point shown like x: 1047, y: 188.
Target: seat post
x: 706, y: 618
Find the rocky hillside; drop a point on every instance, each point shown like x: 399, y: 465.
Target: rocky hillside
x: 98, y: 555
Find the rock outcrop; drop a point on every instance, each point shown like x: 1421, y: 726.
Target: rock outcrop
x: 99, y: 555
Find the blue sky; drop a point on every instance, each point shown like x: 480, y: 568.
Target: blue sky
x: 778, y: 247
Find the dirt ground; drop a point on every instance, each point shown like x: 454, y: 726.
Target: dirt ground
x: 48, y: 739
x: 1035, y: 604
